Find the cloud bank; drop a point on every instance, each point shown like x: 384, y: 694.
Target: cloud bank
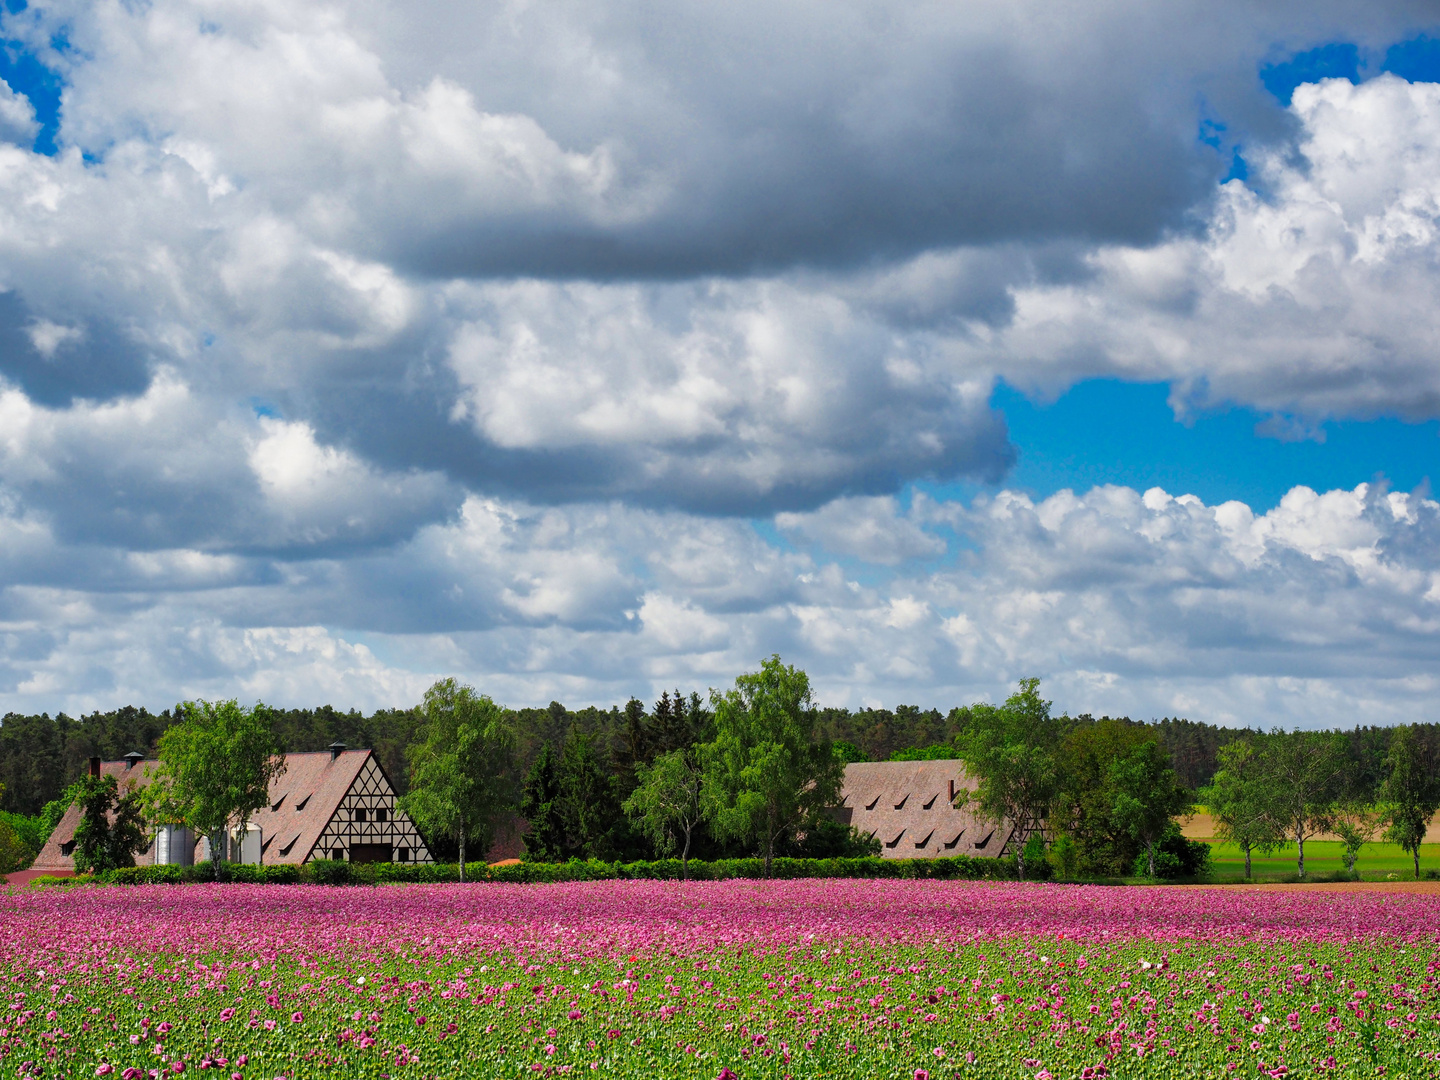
x: 582, y: 349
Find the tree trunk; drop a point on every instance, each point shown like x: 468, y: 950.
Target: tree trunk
x: 216, y: 839
x: 1300, y: 848
x: 1020, y: 861
x: 685, y: 856
x: 1416, y: 852
x: 1150, y: 852
x: 462, y: 853
x: 1246, y: 849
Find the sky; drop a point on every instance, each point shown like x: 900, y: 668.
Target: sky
x: 582, y: 350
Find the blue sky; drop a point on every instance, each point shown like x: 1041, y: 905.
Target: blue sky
x: 1107, y: 432
x: 350, y: 346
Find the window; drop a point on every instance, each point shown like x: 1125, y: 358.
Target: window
x: 360, y: 814
x: 382, y: 814
x: 402, y: 854
x: 67, y: 848
x: 338, y: 853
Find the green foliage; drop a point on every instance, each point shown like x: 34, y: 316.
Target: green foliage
x: 1410, y: 793
x: 589, y: 808
x: 340, y: 872
x: 15, y: 854
x: 1242, y: 802
x: 29, y: 830
x: 1085, y: 807
x: 216, y: 768
x: 1012, y: 750
x: 1303, y: 770
x: 938, y: 752
x: 1065, y: 856
x: 666, y: 802
x: 1356, y: 825
x: 847, y: 752
x: 1147, y: 794
x: 542, y: 809
x: 826, y: 838
x: 1175, y: 857
x: 766, y: 773
x: 111, y: 828
x: 880, y: 733
x: 461, y: 774
x: 1034, y: 850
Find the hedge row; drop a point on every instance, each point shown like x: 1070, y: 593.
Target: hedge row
x: 959, y: 867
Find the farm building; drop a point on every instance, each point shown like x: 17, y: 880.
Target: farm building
x: 909, y: 806
x: 331, y: 804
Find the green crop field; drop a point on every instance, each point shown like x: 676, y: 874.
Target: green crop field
x: 1376, y: 861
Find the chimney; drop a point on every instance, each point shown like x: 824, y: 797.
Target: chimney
x: 94, y: 766
x: 336, y: 748
x: 133, y: 758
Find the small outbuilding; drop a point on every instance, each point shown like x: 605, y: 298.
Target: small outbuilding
x: 330, y: 804
x: 910, y: 807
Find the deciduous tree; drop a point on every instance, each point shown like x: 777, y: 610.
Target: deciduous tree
x: 1410, y: 794
x: 461, y: 773
x: 216, y: 768
x: 1303, y: 771
x: 1012, y: 751
x: 765, y: 772
x: 1242, y: 802
x: 667, y: 802
x: 1147, y: 795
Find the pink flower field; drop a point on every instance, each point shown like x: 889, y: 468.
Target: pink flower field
x: 914, y: 980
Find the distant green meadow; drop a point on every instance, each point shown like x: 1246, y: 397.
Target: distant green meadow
x: 1376, y: 862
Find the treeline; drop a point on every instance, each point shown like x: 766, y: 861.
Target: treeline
x: 630, y: 783
x: 40, y: 755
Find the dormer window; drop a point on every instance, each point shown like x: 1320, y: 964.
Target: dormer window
x: 301, y: 804
x: 277, y: 804
x: 67, y: 848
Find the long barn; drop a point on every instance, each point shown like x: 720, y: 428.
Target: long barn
x: 331, y: 804
x: 910, y: 807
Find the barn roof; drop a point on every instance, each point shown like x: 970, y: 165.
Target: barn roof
x: 908, y: 805
x: 125, y: 772
x: 303, y: 798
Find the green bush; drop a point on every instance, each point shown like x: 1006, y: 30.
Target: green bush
x: 337, y: 872
x: 1176, y: 857
x: 1064, y: 856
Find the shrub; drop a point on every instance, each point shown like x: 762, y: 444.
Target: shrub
x: 1065, y: 856
x: 1176, y: 857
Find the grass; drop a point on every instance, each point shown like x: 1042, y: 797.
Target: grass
x: 1375, y: 862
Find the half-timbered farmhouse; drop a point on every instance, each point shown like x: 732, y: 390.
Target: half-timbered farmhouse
x: 332, y: 804
x: 909, y: 806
